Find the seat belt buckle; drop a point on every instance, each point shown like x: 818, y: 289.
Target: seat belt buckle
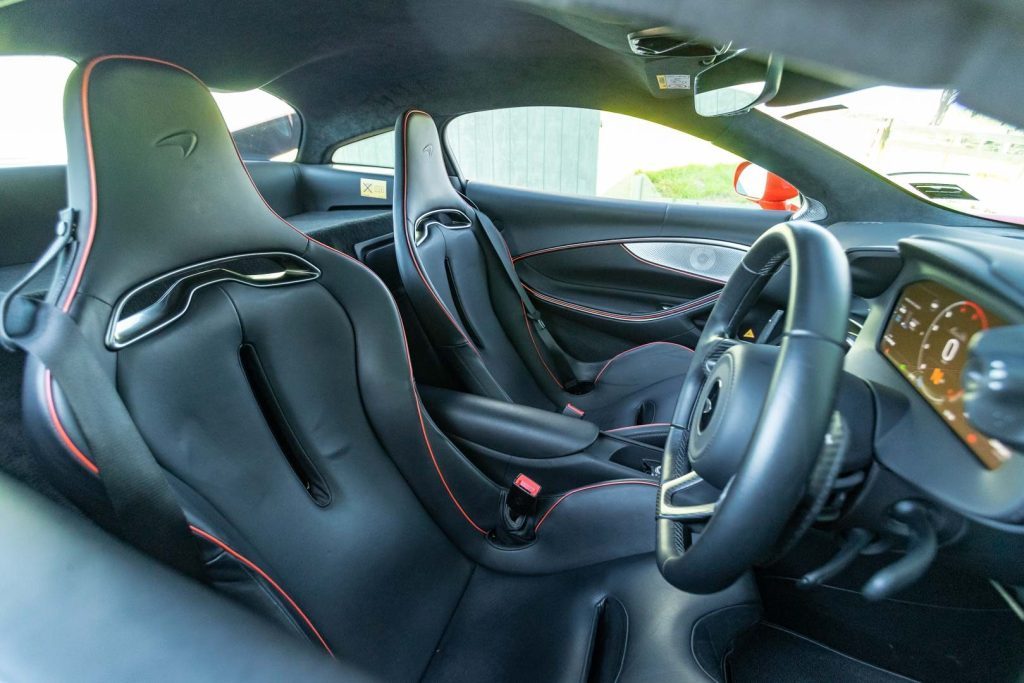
x: 518, y: 512
x: 573, y: 411
x: 522, y: 497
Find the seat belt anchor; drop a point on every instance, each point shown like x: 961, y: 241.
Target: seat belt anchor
x: 65, y: 229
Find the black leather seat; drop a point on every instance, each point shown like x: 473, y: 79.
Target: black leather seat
x: 474, y: 319
x: 282, y: 407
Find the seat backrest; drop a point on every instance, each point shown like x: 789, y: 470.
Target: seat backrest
x: 270, y: 377
x: 268, y: 374
x: 458, y: 289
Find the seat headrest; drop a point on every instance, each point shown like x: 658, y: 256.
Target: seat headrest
x: 156, y: 178
x: 421, y: 178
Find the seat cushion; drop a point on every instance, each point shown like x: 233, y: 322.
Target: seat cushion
x: 638, y: 386
x: 551, y: 628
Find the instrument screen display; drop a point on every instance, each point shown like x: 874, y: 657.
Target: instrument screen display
x: 926, y: 340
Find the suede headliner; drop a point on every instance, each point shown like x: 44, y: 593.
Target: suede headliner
x: 351, y: 67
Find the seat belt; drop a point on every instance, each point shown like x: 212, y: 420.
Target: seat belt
x: 146, y: 512
x: 565, y: 368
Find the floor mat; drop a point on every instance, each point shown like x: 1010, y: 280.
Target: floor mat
x: 772, y: 653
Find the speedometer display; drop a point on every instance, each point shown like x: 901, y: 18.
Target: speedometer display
x: 926, y: 340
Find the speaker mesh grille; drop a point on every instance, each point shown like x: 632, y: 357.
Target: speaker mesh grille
x: 697, y: 258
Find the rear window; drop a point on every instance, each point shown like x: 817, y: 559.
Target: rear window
x: 32, y: 116
x: 265, y: 128
x: 376, y: 151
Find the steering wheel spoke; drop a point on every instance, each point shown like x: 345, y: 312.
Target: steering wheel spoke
x: 695, y: 513
x: 715, y: 351
x: 750, y: 418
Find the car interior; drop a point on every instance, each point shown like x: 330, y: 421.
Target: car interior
x: 510, y: 341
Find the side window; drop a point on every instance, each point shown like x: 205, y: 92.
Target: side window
x: 373, y: 151
x: 265, y: 127
x: 592, y: 153
x: 32, y: 116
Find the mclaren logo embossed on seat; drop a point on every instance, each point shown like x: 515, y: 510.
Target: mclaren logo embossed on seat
x: 185, y: 140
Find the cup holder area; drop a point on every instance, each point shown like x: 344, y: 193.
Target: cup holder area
x: 641, y: 458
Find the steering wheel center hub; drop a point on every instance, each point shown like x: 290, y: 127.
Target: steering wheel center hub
x: 727, y: 411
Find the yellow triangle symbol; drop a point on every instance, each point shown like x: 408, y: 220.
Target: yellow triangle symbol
x: 749, y: 334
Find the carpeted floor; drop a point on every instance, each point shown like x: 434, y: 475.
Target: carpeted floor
x: 772, y: 653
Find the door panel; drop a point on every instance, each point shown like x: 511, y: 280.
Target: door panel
x: 610, y: 274
x: 612, y: 279
x: 538, y: 220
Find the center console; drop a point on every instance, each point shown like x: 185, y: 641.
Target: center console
x: 560, y: 452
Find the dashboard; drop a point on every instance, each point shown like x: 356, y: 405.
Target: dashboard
x: 951, y: 285
x: 927, y: 338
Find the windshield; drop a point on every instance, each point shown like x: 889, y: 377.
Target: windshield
x: 925, y: 141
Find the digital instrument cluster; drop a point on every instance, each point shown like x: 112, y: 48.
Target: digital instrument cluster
x: 926, y: 339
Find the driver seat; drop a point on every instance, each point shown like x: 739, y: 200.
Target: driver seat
x: 280, y: 404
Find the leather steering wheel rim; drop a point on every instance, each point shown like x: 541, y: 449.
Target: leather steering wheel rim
x: 753, y: 508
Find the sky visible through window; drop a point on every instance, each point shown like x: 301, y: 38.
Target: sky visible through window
x: 925, y: 141
x: 32, y: 113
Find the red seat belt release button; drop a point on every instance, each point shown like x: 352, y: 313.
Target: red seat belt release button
x: 572, y: 411
x: 527, y: 486
x: 521, y: 499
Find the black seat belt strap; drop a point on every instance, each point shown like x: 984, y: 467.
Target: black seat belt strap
x: 146, y: 510
x: 564, y: 365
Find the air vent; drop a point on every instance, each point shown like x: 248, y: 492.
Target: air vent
x: 942, y: 191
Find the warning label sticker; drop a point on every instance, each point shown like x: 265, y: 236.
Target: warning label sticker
x: 674, y: 81
x: 373, y: 188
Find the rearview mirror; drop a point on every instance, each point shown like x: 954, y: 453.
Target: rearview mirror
x: 736, y: 85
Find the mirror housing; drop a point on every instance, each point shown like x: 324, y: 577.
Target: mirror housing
x: 736, y: 85
x: 766, y: 189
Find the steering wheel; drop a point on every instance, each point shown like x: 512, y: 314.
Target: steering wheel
x: 751, y: 418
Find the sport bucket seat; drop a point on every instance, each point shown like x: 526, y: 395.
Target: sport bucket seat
x: 269, y: 377
x: 461, y: 281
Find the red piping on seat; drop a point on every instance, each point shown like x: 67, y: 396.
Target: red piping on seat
x: 55, y: 419
x: 72, y: 288
x: 529, y: 328
x: 589, y: 488
x: 405, y: 230
x: 405, y: 346
x: 635, y: 348
x: 536, y: 348
x: 63, y: 435
x: 87, y: 132
x: 266, y: 577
